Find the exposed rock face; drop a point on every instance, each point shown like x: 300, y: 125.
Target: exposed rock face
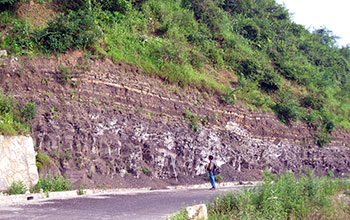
x: 115, y: 126
x: 17, y: 161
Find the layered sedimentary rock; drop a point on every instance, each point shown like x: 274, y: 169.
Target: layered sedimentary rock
x: 110, y: 124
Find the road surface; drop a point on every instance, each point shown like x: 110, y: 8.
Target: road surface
x: 152, y: 205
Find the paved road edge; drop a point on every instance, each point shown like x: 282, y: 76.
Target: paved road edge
x: 15, y: 199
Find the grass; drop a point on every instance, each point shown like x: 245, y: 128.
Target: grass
x: 182, y: 215
x: 284, y: 197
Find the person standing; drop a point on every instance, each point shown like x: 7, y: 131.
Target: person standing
x: 210, y: 168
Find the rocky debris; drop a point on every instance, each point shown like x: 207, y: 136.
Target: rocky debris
x: 197, y: 212
x: 115, y: 126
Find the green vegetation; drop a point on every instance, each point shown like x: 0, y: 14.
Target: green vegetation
x: 42, y: 160
x: 81, y: 191
x: 15, y: 117
x: 242, y: 50
x: 219, y: 178
x: 74, y: 30
x: 53, y: 183
x: 146, y: 171
x: 182, y: 215
x: 286, y: 197
x: 17, y: 188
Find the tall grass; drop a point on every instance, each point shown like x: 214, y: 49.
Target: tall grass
x: 286, y: 197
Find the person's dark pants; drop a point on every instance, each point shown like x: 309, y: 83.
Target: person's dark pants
x: 212, y: 179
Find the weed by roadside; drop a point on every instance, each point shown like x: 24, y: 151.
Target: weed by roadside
x: 182, y: 215
x: 52, y: 183
x: 81, y: 191
x: 17, y: 187
x: 286, y: 197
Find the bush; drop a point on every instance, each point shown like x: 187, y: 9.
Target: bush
x: 229, y: 98
x: 271, y: 82
x: 75, y: 30
x: 53, y: 184
x: 42, y: 160
x: 312, y: 101
x: 28, y: 111
x: 17, y: 188
x: 287, y: 107
x: 11, y: 120
x: 75, y: 5
x: 122, y: 6
x: 6, y: 104
x: 21, y: 37
x: 322, y: 138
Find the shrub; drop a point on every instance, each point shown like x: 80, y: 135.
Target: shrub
x: 17, y: 188
x: 21, y: 37
x: 11, y: 120
x: 229, y: 98
x: 42, y: 160
x: 312, y: 101
x: 321, y: 139
x: 66, y: 5
x: 75, y: 30
x: 53, y: 183
x: 287, y: 107
x: 121, y: 6
x: 270, y: 82
x: 6, y: 104
x: 28, y: 111
x: 311, y: 118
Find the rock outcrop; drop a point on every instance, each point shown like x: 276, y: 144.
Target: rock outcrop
x: 109, y: 124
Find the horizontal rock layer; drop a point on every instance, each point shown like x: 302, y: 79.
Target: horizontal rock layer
x: 110, y: 124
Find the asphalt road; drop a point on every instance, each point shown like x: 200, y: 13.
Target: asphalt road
x: 152, y: 205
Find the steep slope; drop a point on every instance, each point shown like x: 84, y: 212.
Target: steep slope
x: 106, y: 124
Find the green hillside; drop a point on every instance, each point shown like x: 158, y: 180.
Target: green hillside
x: 246, y: 51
